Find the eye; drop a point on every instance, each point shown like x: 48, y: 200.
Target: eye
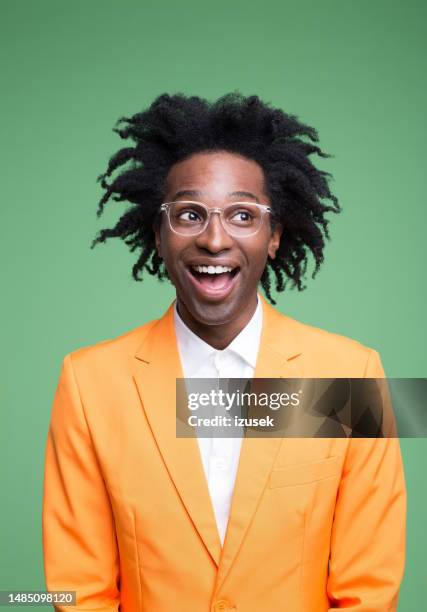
x: 241, y: 216
x: 189, y: 216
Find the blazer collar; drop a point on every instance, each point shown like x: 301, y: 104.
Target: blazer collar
x: 156, y: 368
x: 280, y: 339
x: 280, y: 345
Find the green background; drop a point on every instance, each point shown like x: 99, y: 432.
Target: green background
x: 354, y: 70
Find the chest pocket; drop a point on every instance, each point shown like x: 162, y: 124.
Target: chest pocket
x: 305, y: 473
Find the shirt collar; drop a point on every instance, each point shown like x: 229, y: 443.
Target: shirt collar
x: 245, y: 344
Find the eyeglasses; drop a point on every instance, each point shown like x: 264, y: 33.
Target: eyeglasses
x: 239, y: 219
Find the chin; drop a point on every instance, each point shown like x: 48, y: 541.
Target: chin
x: 214, y: 314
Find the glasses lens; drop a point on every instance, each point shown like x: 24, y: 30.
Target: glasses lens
x: 242, y: 218
x: 187, y: 217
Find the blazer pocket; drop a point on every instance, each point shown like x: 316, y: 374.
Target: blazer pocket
x: 304, y: 473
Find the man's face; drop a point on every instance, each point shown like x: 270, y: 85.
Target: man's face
x: 217, y: 180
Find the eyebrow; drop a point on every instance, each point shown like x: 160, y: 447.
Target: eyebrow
x: 244, y: 194
x: 187, y: 192
x: 195, y: 193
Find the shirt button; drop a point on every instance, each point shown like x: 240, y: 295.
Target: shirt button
x: 218, y: 361
x: 220, y: 464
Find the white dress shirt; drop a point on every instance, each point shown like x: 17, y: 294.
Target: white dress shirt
x: 220, y: 456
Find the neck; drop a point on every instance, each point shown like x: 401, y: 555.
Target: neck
x: 221, y: 335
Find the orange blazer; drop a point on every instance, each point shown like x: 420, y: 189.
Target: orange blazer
x: 315, y: 524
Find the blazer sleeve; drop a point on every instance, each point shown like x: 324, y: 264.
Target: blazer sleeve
x: 368, y: 535
x: 79, y: 542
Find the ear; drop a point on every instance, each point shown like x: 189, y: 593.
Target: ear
x: 274, y: 242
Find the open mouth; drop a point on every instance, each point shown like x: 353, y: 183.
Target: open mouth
x: 214, y: 279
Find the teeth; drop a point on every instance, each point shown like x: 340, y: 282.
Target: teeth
x: 212, y: 269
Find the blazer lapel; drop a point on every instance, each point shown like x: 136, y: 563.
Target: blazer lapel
x: 278, y: 357
x: 157, y: 366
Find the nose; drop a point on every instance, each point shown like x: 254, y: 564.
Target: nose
x: 214, y: 238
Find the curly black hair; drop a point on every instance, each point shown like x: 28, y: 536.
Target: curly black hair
x: 177, y: 126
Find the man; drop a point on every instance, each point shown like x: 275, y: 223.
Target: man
x: 224, y: 197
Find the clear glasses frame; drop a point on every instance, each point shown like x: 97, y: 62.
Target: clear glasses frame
x: 263, y: 208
